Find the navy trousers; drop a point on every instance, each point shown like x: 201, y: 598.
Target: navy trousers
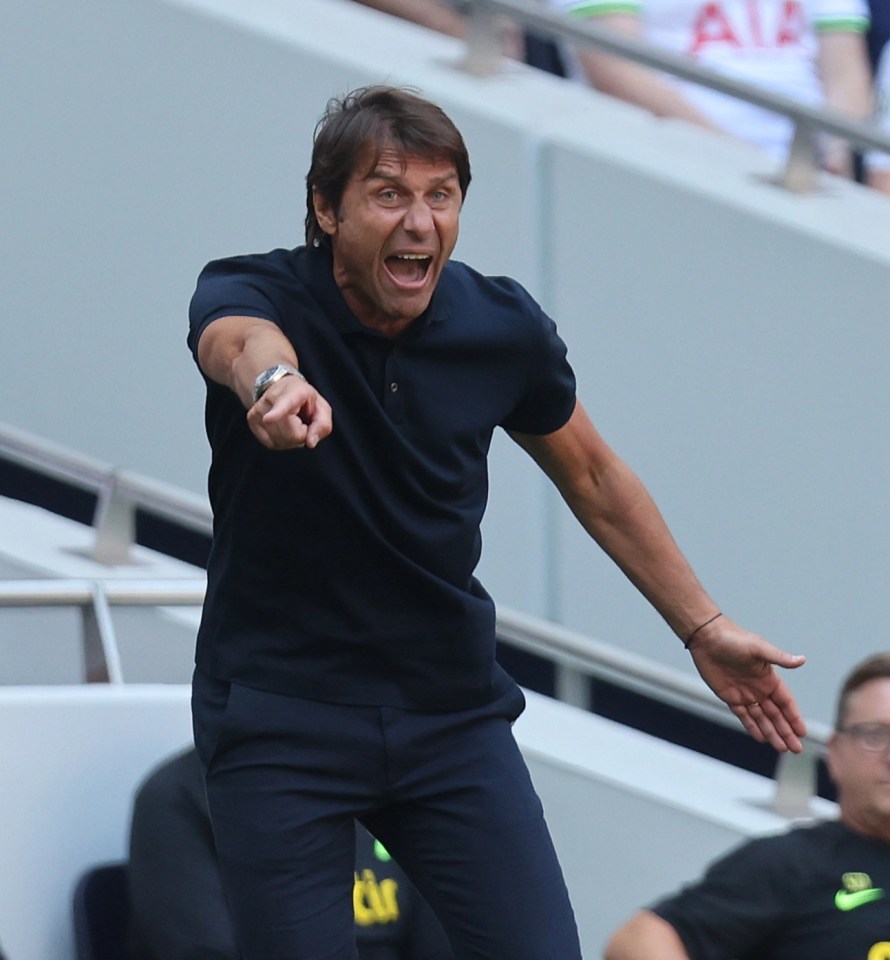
x: 448, y: 794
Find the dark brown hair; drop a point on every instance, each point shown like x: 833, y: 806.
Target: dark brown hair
x: 372, y: 119
x: 876, y: 667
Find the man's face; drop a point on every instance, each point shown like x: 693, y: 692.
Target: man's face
x: 862, y: 776
x: 395, y: 230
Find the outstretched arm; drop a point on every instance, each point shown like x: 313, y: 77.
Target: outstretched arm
x: 428, y: 13
x: 617, y: 511
x: 877, y: 164
x: 643, y: 937
x: 233, y: 351
x: 622, y: 78
x: 846, y: 80
x: 447, y: 19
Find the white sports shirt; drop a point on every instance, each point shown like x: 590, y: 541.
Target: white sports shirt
x: 771, y: 43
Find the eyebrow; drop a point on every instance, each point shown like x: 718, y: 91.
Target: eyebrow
x: 378, y: 174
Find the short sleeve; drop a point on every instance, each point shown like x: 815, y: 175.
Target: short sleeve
x: 737, y: 905
x: 228, y: 288
x: 840, y: 15
x: 549, y: 398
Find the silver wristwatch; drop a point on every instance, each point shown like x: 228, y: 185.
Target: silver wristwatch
x: 273, y: 375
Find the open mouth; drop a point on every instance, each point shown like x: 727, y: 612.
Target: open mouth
x: 408, y: 269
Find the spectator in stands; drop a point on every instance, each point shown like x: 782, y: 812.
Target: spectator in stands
x: 450, y: 18
x: 817, y: 892
x: 878, y: 164
x: 345, y: 659
x: 436, y: 14
x: 810, y: 50
x: 178, y: 911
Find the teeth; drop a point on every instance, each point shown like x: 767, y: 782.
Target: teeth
x: 412, y: 256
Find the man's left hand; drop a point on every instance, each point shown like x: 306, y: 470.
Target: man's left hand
x: 739, y: 666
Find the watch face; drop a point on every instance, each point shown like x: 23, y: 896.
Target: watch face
x: 268, y: 377
x: 262, y: 381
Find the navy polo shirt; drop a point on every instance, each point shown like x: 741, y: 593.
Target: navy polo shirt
x: 345, y: 573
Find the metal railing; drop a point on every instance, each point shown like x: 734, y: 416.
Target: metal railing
x: 576, y: 657
x: 94, y: 600
x: 120, y: 493
x: 800, y: 173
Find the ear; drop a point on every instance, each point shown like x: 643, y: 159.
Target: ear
x: 324, y: 213
x: 831, y: 758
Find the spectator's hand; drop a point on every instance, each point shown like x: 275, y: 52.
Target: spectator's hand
x: 739, y: 667
x: 290, y: 414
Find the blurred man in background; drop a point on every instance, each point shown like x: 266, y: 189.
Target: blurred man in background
x: 815, y: 893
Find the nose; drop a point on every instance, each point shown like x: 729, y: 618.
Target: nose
x: 418, y: 218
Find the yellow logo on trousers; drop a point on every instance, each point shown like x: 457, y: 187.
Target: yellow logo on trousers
x: 375, y: 901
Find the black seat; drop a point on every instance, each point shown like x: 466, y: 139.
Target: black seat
x: 101, y: 909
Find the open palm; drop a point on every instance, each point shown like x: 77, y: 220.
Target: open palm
x: 739, y: 666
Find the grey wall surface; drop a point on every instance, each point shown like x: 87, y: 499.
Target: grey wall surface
x: 733, y: 352
x: 729, y: 339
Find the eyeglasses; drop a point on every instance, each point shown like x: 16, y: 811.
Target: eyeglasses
x: 874, y: 737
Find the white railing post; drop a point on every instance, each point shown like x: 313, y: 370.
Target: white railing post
x: 572, y: 686
x: 101, y: 656
x: 801, y: 173
x: 795, y: 784
x: 483, y: 56
x: 114, y: 523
